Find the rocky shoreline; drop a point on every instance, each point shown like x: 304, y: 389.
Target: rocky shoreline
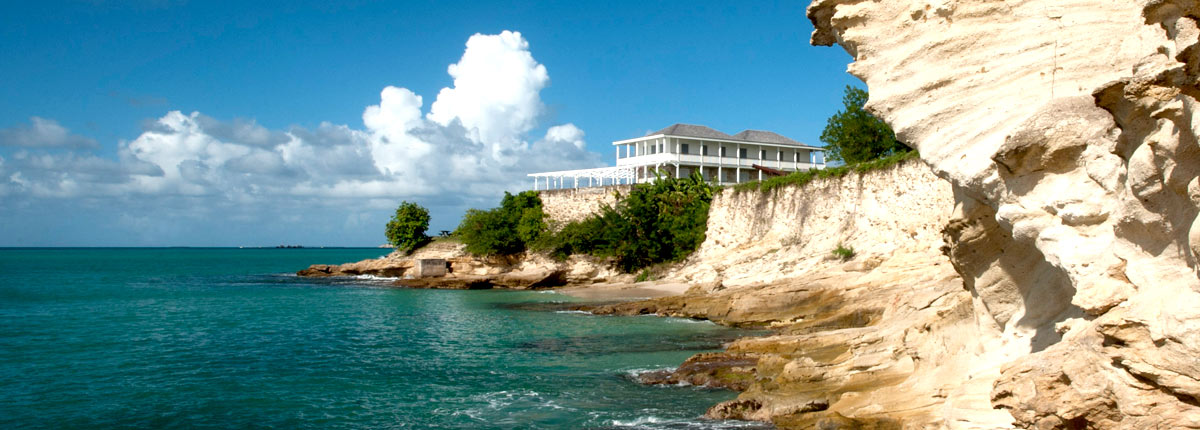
x: 840, y: 333
x: 1037, y: 268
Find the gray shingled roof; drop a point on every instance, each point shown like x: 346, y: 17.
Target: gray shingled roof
x: 765, y: 136
x: 689, y: 130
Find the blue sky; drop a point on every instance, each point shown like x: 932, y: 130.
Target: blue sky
x: 164, y: 123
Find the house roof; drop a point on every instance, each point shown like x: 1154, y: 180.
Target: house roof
x: 700, y: 131
x: 765, y: 136
x: 690, y: 130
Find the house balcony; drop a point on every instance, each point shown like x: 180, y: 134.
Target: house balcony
x: 712, y: 161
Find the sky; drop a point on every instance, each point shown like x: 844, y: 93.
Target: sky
x: 189, y: 123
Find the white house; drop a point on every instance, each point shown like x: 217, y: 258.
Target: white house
x: 681, y: 149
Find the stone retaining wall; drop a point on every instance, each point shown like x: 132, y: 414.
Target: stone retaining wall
x: 574, y: 204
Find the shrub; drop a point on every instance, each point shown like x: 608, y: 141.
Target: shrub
x: 657, y: 222
x: 853, y: 135
x: 406, y: 229
x: 800, y: 178
x: 506, y: 230
x: 643, y: 276
x: 845, y: 253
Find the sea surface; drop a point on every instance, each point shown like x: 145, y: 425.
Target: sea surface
x: 230, y: 338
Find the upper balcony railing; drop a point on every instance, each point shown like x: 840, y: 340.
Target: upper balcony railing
x: 712, y: 160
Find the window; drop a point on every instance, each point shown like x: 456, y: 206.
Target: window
x: 762, y: 154
x: 703, y: 149
x: 796, y: 157
x: 780, y: 156
x: 741, y: 152
x: 654, y: 149
x: 683, y: 148
x: 723, y: 151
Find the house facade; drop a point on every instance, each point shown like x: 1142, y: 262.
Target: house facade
x: 683, y: 149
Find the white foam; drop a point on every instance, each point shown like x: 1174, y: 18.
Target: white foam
x: 376, y: 278
x: 635, y: 373
x: 639, y: 422
x: 688, y: 321
x: 573, y: 312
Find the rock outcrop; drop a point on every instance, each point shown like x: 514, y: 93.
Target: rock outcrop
x: 1068, y: 130
x: 468, y: 272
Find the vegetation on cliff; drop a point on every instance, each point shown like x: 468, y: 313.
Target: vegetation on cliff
x: 406, y: 230
x: 506, y: 230
x: 656, y: 222
x: 800, y: 178
x: 853, y: 135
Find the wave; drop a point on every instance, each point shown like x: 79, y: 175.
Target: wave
x: 653, y: 422
x: 376, y: 278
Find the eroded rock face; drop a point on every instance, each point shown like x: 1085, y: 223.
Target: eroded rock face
x: 1068, y: 129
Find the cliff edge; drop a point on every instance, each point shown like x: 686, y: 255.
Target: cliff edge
x: 1068, y: 130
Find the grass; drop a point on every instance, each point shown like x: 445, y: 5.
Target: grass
x: 845, y: 253
x: 800, y: 178
x: 644, y: 276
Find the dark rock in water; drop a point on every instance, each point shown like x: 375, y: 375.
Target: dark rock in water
x: 712, y: 370
x: 735, y: 409
x: 814, y: 415
x: 319, y: 270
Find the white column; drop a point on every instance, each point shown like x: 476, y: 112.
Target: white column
x: 618, y: 152
x: 761, y: 152
x: 677, y: 170
x: 737, y: 155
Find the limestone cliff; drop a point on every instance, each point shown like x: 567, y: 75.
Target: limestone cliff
x: 888, y: 339
x: 1068, y: 130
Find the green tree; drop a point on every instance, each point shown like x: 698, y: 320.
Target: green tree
x: 406, y: 230
x: 660, y: 221
x: 506, y: 230
x: 854, y: 135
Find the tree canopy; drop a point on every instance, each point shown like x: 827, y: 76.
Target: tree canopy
x: 505, y: 230
x: 660, y: 221
x: 853, y: 135
x: 406, y: 230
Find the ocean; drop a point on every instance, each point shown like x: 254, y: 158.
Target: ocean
x: 230, y: 338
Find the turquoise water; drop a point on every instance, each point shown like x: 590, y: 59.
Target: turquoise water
x: 228, y: 338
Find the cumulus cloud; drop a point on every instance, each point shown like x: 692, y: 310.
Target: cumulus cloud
x: 472, y: 144
x: 43, y: 133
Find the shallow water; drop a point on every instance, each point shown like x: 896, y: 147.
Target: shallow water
x: 227, y: 338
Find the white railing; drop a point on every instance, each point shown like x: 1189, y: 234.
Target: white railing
x: 713, y: 161
x: 646, y: 160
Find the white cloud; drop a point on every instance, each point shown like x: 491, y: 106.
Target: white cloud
x: 43, y: 133
x: 472, y: 145
x: 495, y: 93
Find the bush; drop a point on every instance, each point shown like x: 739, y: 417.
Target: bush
x: 406, y: 229
x: 799, y: 178
x: 845, y: 253
x: 853, y: 135
x: 657, y: 222
x: 506, y: 230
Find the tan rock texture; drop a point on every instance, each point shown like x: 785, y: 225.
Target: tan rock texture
x: 467, y: 272
x: 574, y: 204
x: 888, y: 339
x: 1068, y: 130
x: 756, y: 237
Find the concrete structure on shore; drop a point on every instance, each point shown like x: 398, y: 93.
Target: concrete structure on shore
x: 683, y: 149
